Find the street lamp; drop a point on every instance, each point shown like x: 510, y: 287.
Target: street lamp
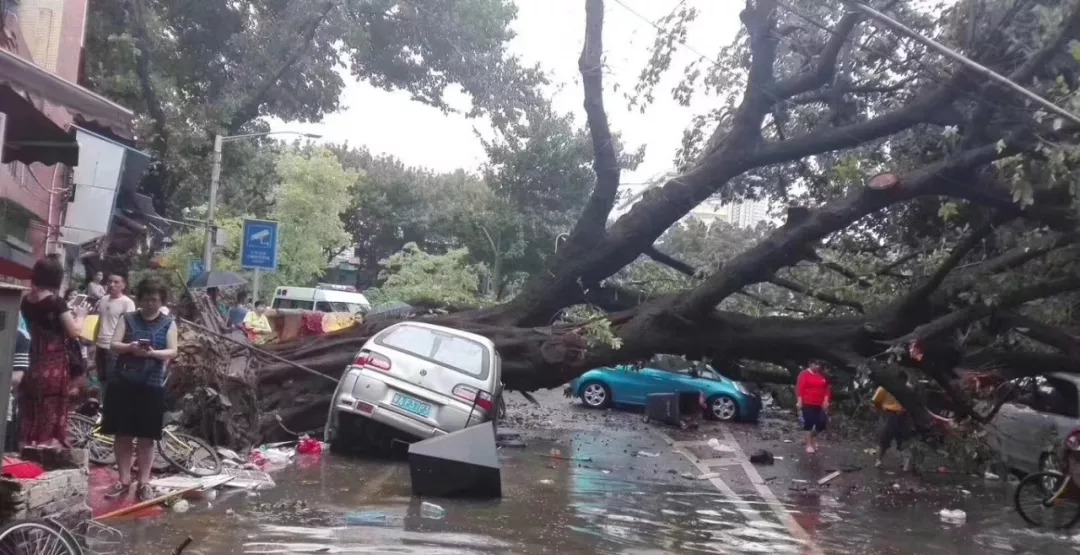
x: 215, y: 175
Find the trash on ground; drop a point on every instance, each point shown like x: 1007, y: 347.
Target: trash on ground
x: 187, y: 482
x: 778, y: 458
x: 991, y: 476
x: 721, y: 447
x: 605, y: 471
x: 648, y: 454
x: 709, y: 476
x: 180, y: 506
x: 798, y: 481
x: 828, y: 477
x: 229, y: 454
x: 248, y: 479
x: 762, y: 457
x: 366, y: 519
x: 432, y: 511
x: 555, y: 454
x: 547, y: 482
x: 687, y: 476
x: 953, y: 517
x: 309, y: 446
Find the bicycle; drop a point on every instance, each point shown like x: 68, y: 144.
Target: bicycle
x: 187, y: 453
x: 38, y: 537
x: 1052, y: 498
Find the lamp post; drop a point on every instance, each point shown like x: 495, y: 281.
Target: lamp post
x: 215, y: 175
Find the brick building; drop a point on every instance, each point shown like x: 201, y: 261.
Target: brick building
x: 58, y: 138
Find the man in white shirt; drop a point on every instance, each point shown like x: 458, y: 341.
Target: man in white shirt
x: 110, y: 309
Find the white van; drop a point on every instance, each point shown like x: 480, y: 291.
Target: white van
x: 321, y: 298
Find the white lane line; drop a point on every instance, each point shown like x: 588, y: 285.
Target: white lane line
x: 745, y: 507
x: 794, y: 528
x: 767, y: 494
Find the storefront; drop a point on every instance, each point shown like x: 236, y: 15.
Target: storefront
x: 42, y: 117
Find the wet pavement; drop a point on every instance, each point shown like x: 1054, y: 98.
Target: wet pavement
x: 632, y: 488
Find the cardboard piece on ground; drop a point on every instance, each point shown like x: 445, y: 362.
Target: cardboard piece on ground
x: 461, y: 464
x: 248, y: 479
x: 184, y: 482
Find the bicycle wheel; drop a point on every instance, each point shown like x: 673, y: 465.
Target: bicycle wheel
x: 82, y: 433
x: 1035, y: 500
x: 35, y: 537
x: 189, y: 454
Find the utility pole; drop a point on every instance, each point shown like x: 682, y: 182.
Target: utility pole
x: 211, y: 225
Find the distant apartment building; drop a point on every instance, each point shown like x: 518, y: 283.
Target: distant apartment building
x: 65, y: 151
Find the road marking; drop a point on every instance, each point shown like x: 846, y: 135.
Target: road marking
x: 785, y: 517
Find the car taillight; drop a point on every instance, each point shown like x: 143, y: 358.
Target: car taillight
x: 374, y: 361
x: 471, y: 394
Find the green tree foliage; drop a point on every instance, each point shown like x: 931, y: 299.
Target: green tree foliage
x: 192, y: 69
x: 444, y: 280
x: 307, y: 204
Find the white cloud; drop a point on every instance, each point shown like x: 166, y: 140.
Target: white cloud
x: 550, y: 33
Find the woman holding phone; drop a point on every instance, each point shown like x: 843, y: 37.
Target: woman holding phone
x: 145, y: 341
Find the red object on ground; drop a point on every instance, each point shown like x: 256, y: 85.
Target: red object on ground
x: 21, y: 470
x: 101, y: 479
x: 813, y: 389
x: 309, y: 446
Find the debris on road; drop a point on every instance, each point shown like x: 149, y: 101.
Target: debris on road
x: 762, y: 457
x: 709, y: 476
x: 953, y: 517
x: 991, y: 476
x: 720, y: 447
x: 432, y: 511
x: 649, y: 454
x: 828, y: 477
x: 248, y: 479
x: 366, y: 519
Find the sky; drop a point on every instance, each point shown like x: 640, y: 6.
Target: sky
x: 550, y: 33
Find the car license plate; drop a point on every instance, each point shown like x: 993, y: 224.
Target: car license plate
x: 418, y: 408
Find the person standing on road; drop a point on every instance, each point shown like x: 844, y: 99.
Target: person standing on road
x: 111, y: 308
x: 44, y: 391
x: 812, y: 396
x: 895, y: 424
x: 145, y: 341
x: 95, y: 290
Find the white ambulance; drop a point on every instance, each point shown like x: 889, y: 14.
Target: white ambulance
x: 324, y: 297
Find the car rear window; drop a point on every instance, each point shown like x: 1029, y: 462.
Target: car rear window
x: 461, y: 354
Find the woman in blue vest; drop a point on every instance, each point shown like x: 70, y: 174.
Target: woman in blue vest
x: 145, y: 342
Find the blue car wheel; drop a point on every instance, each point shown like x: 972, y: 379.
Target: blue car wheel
x: 723, y: 408
x: 596, y: 395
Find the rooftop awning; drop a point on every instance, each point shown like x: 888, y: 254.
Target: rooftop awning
x: 30, y: 136
x: 23, y: 75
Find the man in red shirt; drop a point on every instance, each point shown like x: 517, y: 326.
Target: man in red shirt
x: 812, y: 396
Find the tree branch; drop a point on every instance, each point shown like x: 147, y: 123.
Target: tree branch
x: 141, y: 36
x: 672, y: 262
x: 590, y: 225
x: 785, y: 244
x: 977, y: 312
x: 1040, y: 331
x: 249, y: 109
x: 819, y: 295
x: 921, y: 293
x: 825, y: 70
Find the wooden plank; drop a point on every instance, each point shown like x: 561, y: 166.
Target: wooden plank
x: 148, y: 503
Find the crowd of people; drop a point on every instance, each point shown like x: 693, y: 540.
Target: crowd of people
x: 133, y: 342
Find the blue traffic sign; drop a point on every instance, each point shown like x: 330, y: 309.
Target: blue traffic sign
x: 260, y: 242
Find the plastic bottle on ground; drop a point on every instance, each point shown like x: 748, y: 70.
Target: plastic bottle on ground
x: 432, y: 511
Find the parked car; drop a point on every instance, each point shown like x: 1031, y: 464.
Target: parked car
x: 415, y: 381
x: 1027, y: 434
x: 627, y: 386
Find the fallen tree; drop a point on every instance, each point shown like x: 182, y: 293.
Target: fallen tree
x: 940, y: 203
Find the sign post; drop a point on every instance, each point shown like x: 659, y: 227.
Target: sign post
x: 259, y: 249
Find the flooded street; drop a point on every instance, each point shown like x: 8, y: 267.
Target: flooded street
x: 631, y: 488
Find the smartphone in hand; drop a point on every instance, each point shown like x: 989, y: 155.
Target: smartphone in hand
x: 143, y: 344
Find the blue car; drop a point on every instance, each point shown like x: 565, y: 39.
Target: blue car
x: 725, y: 399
